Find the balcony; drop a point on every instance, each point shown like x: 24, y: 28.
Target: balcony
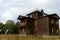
x: 22, y: 24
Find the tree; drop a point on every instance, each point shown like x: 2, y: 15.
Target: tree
x: 16, y: 29
x: 1, y: 27
x: 9, y: 25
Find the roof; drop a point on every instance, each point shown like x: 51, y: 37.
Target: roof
x: 20, y: 17
x: 52, y: 16
x: 37, y: 12
x: 24, y: 17
x: 33, y: 12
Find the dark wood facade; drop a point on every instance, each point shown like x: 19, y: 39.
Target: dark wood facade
x: 38, y: 23
x: 53, y: 26
x: 42, y: 25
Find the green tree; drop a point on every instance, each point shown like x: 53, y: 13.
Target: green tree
x: 9, y: 25
x: 1, y: 27
x: 13, y: 27
x: 16, y: 27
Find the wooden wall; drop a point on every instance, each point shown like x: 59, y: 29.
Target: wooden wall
x: 42, y: 26
x: 30, y: 26
x: 53, y: 26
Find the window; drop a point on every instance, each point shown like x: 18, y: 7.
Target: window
x: 34, y: 15
x: 44, y: 15
x: 52, y: 29
x: 30, y: 16
x: 57, y: 31
x: 52, y: 21
x: 57, y: 22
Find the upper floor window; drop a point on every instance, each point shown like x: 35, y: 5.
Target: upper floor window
x: 54, y: 21
x: 34, y: 15
x: 44, y: 15
x: 30, y: 16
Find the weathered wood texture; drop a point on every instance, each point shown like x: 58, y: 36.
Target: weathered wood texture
x: 30, y: 26
x: 53, y: 26
x: 41, y: 25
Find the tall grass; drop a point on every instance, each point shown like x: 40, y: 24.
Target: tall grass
x: 29, y: 37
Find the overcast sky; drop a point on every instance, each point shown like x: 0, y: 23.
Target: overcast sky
x: 11, y: 9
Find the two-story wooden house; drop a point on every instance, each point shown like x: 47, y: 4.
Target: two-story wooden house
x: 38, y: 22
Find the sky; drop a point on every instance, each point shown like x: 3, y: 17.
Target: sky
x: 11, y: 9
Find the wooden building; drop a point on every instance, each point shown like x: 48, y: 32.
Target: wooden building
x: 38, y: 22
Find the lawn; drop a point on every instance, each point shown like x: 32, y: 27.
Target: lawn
x: 29, y: 37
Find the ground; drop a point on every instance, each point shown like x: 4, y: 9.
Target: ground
x: 29, y: 37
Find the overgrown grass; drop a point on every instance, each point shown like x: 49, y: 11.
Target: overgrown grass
x: 29, y: 37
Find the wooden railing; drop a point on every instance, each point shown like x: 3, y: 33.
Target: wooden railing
x: 22, y: 24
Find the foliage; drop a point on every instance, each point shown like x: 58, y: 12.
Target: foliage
x: 1, y: 27
x: 15, y: 29
x: 11, y: 26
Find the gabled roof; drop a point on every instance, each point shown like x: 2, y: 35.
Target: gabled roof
x: 51, y: 15
x: 23, y: 17
x: 33, y: 12
x: 20, y: 17
x: 37, y: 12
x: 54, y: 15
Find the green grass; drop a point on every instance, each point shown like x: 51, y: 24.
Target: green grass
x: 29, y: 37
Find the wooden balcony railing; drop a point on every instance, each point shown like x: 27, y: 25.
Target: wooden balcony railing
x: 22, y: 24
